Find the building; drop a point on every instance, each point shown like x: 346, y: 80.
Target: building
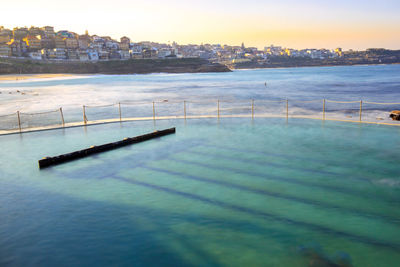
x: 48, y: 43
x: 48, y: 31
x: 115, y: 55
x: 111, y: 44
x: 33, y: 43
x: 162, y: 53
x: 83, y: 56
x: 84, y: 41
x: 72, y: 54
x: 18, y: 47
x: 59, y: 42
x: 339, y: 52
x: 20, y: 33
x: 35, y: 31
x: 93, y: 55
x: 60, y: 53
x: 71, y: 43
x: 124, y: 46
x: 125, y: 54
x: 35, y: 55
x: 4, y: 39
x: 104, y: 55
x: 48, y: 54
x: 65, y: 34
x: 5, y: 50
x: 149, y: 53
x: 125, y: 40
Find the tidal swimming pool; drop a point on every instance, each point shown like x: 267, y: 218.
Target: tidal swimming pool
x: 235, y: 193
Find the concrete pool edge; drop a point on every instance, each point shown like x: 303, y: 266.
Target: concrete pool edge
x: 108, y: 121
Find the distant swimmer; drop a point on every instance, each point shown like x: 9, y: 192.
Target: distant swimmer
x: 265, y: 84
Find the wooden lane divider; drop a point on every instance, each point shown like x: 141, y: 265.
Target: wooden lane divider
x: 49, y: 161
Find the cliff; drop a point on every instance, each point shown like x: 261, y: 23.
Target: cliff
x: 133, y: 66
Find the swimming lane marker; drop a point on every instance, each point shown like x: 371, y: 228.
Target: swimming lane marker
x: 49, y: 161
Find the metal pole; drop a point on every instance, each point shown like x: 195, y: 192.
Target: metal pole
x: 62, y: 117
x: 84, y: 115
x: 184, y: 108
x: 19, y: 121
x: 119, y: 110
x: 287, y: 109
x: 252, y: 109
x: 154, y: 112
x: 323, y: 109
x: 360, y: 109
x: 218, y: 108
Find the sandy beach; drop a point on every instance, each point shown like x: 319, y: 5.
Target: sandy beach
x: 16, y: 77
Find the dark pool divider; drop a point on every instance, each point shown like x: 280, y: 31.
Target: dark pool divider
x: 49, y: 161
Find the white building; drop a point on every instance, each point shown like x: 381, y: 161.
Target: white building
x: 83, y: 56
x: 125, y: 54
x: 35, y: 55
x: 93, y: 55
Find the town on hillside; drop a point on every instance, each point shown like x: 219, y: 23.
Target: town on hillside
x: 46, y: 44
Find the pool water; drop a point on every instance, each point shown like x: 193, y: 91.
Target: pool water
x: 233, y: 192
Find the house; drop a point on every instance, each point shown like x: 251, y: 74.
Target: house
x: 18, y: 47
x: 110, y: 44
x: 60, y: 53
x: 125, y: 40
x: 59, y: 42
x: 136, y: 55
x: 84, y: 41
x: 48, y: 43
x: 33, y: 42
x: 71, y: 43
x: 104, y: 55
x: 5, y: 50
x: 20, y: 33
x: 125, y: 54
x: 164, y: 52
x: 115, y: 55
x: 72, y: 54
x: 149, y: 53
x: 35, y: 55
x: 124, y: 46
x: 35, y: 31
x: 83, y: 56
x: 4, y: 39
x: 48, y: 31
x: 48, y: 54
x: 65, y: 34
x: 93, y: 55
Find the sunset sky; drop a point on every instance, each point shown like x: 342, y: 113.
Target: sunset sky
x: 350, y: 24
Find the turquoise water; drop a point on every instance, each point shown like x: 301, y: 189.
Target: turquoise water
x: 232, y: 193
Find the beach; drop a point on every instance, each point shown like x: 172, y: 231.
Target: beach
x: 18, y: 77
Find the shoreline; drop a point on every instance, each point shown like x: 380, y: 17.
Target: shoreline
x: 23, y: 77
x: 308, y: 66
x: 314, y: 66
x: 133, y: 66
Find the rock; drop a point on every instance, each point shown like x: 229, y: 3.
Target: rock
x: 395, y: 115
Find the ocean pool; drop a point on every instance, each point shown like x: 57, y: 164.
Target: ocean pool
x: 233, y: 192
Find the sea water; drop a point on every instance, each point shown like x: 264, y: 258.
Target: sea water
x: 380, y: 83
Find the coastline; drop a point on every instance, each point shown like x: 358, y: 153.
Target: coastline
x: 21, y: 77
x: 314, y: 66
x: 257, y: 66
x: 13, y: 66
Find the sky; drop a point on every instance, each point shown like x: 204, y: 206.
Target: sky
x: 349, y: 24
